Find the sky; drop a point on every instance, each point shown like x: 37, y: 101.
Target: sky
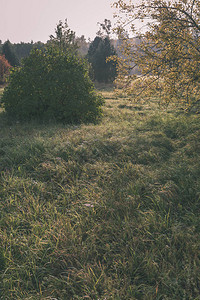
x: 26, y: 20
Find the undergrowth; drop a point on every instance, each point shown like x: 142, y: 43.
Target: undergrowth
x: 105, y: 211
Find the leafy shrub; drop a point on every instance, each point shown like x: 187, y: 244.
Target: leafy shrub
x: 52, y: 84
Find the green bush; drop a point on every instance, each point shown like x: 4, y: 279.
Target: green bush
x: 52, y: 84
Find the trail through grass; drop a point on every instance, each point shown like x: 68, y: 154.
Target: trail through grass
x: 106, y: 211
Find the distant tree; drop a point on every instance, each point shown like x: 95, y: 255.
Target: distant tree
x: 23, y: 50
x: 94, y: 46
x: 82, y: 45
x: 99, y: 51
x: 9, y: 53
x: 64, y: 37
x: 105, y: 28
x: 4, y: 68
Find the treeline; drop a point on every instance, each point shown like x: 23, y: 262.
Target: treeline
x: 95, y: 52
x: 11, y: 55
x: 14, y: 53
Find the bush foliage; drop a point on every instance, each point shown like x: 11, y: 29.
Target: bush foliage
x: 52, y: 84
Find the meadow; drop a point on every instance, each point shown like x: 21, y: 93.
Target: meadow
x: 104, y: 211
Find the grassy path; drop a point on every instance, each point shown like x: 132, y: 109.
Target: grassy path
x: 107, y: 211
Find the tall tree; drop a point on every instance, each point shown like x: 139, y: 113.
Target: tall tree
x: 168, y: 55
x: 99, y: 52
x: 9, y: 53
x: 64, y: 37
x: 105, y: 28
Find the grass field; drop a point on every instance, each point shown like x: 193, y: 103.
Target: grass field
x: 106, y: 211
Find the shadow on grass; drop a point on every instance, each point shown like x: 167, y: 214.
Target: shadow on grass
x: 107, y: 211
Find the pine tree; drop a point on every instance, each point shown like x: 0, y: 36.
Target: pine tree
x: 99, y: 51
x: 10, y: 54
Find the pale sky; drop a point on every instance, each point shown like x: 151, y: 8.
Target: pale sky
x: 26, y: 20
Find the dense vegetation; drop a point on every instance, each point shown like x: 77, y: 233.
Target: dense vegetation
x: 20, y: 50
x: 169, y: 50
x: 96, y: 52
x: 52, y: 84
x: 107, y: 211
